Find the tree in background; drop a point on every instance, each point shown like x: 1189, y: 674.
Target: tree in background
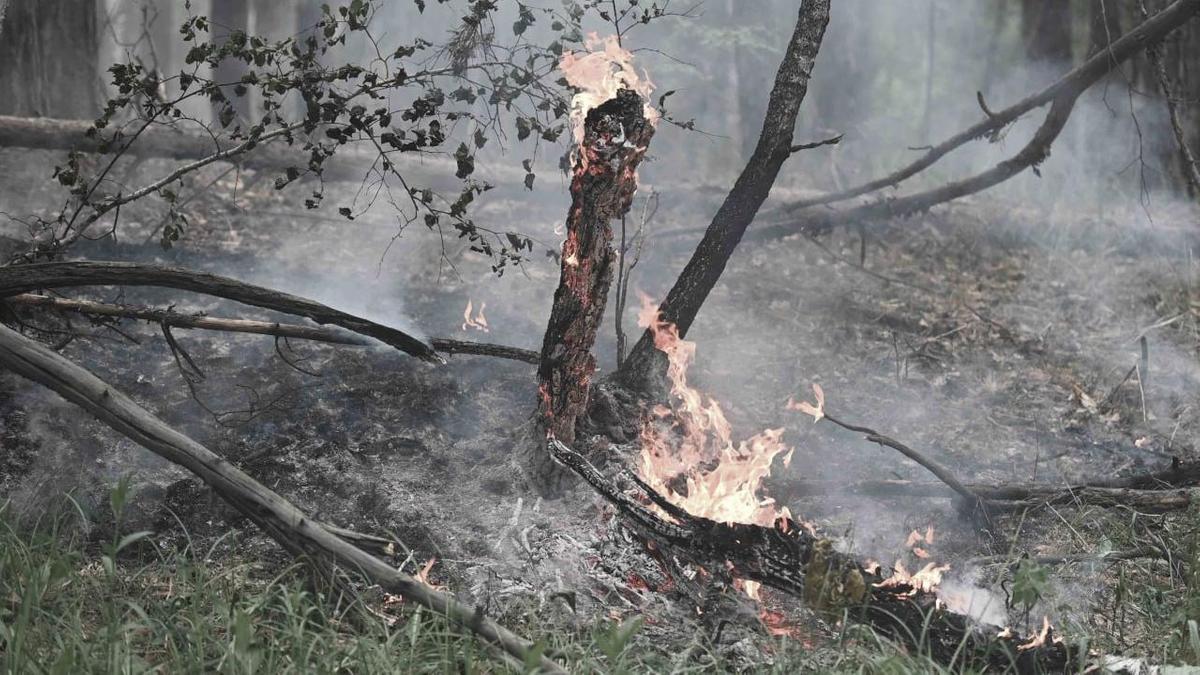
x: 47, y: 59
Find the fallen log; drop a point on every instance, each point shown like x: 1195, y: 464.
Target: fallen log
x: 645, y: 367
x: 17, y: 279
x: 292, y: 528
x: 176, y: 319
x: 1149, y: 33
x: 45, y: 133
x: 789, y: 559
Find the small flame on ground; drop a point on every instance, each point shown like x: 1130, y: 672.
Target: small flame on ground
x: 1039, y: 639
x: 925, y: 580
x: 479, y: 321
x: 598, y: 73
x: 817, y: 410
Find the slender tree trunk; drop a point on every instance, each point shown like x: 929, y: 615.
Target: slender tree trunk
x: 644, y: 368
x: 48, y: 59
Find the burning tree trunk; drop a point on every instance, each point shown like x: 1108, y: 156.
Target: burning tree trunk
x: 615, y: 136
x: 644, y: 367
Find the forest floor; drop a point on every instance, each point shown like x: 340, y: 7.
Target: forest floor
x: 995, y: 339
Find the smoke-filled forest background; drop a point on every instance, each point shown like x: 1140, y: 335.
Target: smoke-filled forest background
x: 1006, y: 411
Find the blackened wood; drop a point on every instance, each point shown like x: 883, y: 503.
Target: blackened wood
x: 616, y: 136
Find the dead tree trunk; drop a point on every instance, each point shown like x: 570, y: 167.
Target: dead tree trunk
x: 645, y: 366
x: 616, y: 135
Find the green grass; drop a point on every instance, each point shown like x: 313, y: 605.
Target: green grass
x: 121, y: 603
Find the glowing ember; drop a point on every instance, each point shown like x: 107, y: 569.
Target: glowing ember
x: 695, y: 443
x: 479, y: 321
x: 598, y: 73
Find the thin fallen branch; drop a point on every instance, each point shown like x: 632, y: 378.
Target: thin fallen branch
x: 18, y: 279
x: 789, y: 559
x: 1166, y: 490
x: 943, y: 474
x: 645, y: 366
x: 1080, y: 78
x: 1111, y: 556
x: 176, y: 319
x: 292, y: 528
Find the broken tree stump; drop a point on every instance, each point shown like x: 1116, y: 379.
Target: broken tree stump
x: 604, y: 179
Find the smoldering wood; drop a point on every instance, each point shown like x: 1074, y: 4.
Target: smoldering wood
x: 789, y: 559
x: 177, y: 319
x: 1150, y: 32
x: 616, y: 135
x: 645, y: 366
x: 292, y: 528
x: 17, y: 279
x: 164, y: 142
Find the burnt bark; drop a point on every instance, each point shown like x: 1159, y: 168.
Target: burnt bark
x: 291, y: 528
x: 616, y: 135
x: 645, y: 366
x: 17, y: 279
x: 48, y: 56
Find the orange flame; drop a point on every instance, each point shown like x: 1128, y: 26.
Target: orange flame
x: 479, y: 321
x: 721, y: 478
x: 598, y: 73
x: 925, y: 580
x: 1039, y: 639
